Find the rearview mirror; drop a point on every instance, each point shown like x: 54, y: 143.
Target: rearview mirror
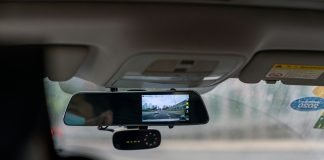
x: 136, y: 109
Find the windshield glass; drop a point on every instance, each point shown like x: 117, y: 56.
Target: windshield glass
x: 247, y: 121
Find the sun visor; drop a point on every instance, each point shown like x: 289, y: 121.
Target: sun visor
x: 162, y: 70
x: 63, y: 61
x: 289, y: 67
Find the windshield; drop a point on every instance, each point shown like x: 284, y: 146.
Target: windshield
x: 247, y: 121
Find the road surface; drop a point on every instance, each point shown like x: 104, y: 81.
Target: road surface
x: 160, y: 115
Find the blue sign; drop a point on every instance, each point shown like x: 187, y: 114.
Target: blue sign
x: 308, y: 104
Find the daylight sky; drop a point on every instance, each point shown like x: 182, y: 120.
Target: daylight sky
x: 161, y: 100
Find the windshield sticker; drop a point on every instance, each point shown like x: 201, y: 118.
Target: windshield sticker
x: 295, y: 71
x: 319, y: 91
x: 308, y: 104
x: 320, y: 122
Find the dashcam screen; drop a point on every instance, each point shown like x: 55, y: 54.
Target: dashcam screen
x: 165, y: 108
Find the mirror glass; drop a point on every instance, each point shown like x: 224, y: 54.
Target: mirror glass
x: 135, y: 108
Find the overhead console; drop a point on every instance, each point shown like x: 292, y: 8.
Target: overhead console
x: 289, y: 67
x: 172, y: 70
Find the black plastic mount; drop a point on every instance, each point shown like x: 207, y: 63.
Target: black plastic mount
x: 137, y: 127
x: 105, y: 128
x: 113, y: 89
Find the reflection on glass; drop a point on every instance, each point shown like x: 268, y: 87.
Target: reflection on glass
x: 81, y: 111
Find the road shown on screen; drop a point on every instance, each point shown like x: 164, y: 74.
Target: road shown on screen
x: 161, y: 115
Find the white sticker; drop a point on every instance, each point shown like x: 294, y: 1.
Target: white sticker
x: 295, y: 71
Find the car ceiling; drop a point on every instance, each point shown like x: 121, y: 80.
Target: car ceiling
x: 118, y: 31
x: 299, y: 4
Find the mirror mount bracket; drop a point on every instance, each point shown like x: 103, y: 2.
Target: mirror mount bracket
x: 114, y: 89
x: 105, y: 128
x: 137, y: 127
